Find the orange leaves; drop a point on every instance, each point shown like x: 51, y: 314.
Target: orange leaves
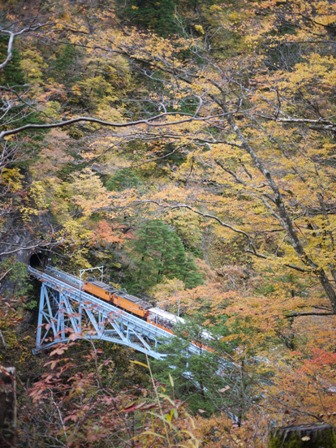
x: 106, y: 234
x: 321, y: 359
x: 304, y: 389
x: 52, y: 364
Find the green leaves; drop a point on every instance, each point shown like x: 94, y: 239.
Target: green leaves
x: 157, y: 252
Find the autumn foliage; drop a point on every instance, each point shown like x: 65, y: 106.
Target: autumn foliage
x: 189, y: 147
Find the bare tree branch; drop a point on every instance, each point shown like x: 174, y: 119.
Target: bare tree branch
x: 309, y: 314
x: 38, y: 244
x: 12, y: 36
x: 207, y: 215
x: 320, y: 123
x: 149, y: 122
x: 154, y: 159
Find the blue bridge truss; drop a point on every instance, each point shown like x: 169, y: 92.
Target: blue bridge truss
x: 67, y: 313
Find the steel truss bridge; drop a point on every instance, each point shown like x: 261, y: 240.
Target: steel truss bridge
x: 67, y: 313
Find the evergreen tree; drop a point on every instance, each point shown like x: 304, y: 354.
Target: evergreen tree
x: 156, y: 15
x: 157, y: 252
x: 64, y: 67
x: 123, y: 179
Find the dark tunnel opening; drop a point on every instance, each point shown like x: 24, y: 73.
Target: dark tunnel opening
x: 38, y: 260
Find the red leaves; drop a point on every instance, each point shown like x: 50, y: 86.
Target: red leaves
x: 72, y: 417
x: 321, y: 358
x: 59, y: 350
x: 106, y: 234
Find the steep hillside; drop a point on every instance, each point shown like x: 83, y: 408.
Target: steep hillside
x: 189, y: 147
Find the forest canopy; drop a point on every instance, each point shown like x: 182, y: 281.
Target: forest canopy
x: 189, y: 147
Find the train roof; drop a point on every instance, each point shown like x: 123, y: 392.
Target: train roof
x: 166, y: 315
x: 102, y: 285
x: 142, y: 303
x: 145, y: 305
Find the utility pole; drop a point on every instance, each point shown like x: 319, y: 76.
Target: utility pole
x: 99, y: 268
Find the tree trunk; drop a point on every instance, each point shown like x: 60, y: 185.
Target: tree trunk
x: 303, y: 436
x: 282, y: 214
x: 7, y: 407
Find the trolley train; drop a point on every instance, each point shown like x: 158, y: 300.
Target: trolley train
x: 132, y: 304
x: 120, y: 299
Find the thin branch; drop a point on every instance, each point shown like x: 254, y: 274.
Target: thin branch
x: 232, y: 173
x: 213, y: 217
x: 33, y: 246
x: 149, y: 122
x: 154, y: 159
x: 12, y: 36
x: 320, y: 123
x: 297, y: 268
x: 3, y: 339
x: 309, y: 314
x: 4, y: 275
x: 288, y: 265
x: 317, y: 42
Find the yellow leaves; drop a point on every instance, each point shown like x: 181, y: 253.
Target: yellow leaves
x: 124, y: 200
x: 38, y: 194
x: 36, y: 202
x: 315, y: 69
x: 199, y: 29
x: 234, y: 17
x: 12, y: 179
x: 231, y: 337
x: 77, y: 239
x: 32, y: 63
x: 166, y: 289
x: 76, y: 90
x: 52, y: 109
x: 216, y: 8
x: 173, y: 192
x: 87, y: 192
x: 97, y: 86
x: 27, y: 213
x: 172, y: 414
x: 139, y: 363
x: 108, y: 113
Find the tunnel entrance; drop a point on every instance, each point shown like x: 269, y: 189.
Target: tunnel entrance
x: 38, y: 260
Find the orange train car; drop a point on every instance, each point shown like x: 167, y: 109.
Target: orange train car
x: 99, y: 289
x: 155, y: 316
x: 120, y: 299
